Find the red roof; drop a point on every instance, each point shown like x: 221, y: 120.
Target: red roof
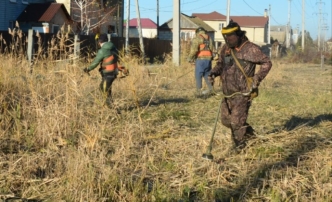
x: 145, y: 23
x: 250, y: 21
x: 210, y: 16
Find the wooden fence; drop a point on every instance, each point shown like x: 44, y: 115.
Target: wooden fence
x: 153, y: 48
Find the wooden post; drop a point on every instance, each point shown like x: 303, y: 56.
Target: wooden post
x: 76, y: 47
x: 30, y: 50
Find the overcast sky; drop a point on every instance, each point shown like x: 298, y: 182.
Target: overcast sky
x: 314, y: 10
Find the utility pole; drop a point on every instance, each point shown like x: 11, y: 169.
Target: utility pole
x: 139, y: 27
x: 228, y: 11
x: 127, y: 26
x: 324, y: 29
x: 288, y: 41
x: 176, y: 32
x: 157, y: 19
x: 319, y: 24
x: 303, y: 17
x: 269, y: 26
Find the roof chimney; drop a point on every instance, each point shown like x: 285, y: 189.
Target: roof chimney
x: 265, y: 13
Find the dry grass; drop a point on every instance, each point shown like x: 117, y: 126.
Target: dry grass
x: 59, y: 143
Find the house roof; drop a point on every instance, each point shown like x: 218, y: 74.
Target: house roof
x: 243, y: 21
x: 250, y: 21
x: 189, y: 22
x: 43, y: 12
x: 210, y: 16
x: 145, y: 23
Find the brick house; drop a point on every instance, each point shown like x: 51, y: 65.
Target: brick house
x: 103, y: 16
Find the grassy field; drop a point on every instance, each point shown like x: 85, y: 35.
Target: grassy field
x: 59, y: 143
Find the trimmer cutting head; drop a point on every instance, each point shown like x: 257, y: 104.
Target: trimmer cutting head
x: 207, y: 156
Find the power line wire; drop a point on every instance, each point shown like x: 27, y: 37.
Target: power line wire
x: 252, y: 8
x: 201, y: 6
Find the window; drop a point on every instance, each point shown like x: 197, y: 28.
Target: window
x: 11, y: 24
x: 182, y: 35
x: 55, y: 29
x: 188, y: 36
x: 25, y: 2
x: 221, y: 25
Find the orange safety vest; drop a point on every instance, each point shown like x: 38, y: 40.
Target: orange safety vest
x: 108, y: 64
x: 203, y: 50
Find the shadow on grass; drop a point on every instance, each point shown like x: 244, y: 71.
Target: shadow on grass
x: 295, y: 122
x: 163, y: 101
x: 157, y: 102
x: 254, y: 180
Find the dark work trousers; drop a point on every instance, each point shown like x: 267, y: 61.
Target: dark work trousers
x: 234, y: 114
x: 202, y: 70
x: 106, y: 88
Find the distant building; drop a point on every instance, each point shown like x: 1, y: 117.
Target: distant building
x: 44, y: 17
x: 11, y: 9
x: 280, y: 33
x: 149, y: 28
x: 188, y: 26
x: 108, y: 12
x: 255, y: 26
x: 215, y: 20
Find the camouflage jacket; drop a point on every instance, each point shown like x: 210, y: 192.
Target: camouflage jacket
x: 194, y: 47
x: 249, y: 55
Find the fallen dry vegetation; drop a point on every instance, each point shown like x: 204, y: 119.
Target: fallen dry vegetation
x: 59, y: 143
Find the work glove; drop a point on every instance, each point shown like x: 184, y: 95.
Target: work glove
x: 211, y: 78
x: 254, y: 87
x: 255, y: 82
x: 86, y: 70
x: 190, y: 60
x: 125, y: 72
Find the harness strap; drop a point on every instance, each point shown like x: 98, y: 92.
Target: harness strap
x: 248, y: 79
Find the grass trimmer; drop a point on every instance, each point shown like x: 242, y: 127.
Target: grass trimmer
x: 208, y: 155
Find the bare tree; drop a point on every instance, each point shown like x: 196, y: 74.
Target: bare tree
x: 92, y: 14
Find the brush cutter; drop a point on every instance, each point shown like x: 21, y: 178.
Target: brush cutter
x: 208, y: 155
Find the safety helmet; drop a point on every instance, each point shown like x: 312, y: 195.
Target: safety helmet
x: 199, y: 29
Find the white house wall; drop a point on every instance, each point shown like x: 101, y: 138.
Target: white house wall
x: 255, y: 34
x: 217, y: 26
x: 147, y: 33
x: 66, y: 3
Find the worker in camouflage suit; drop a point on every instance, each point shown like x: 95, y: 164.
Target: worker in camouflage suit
x: 236, y: 67
x: 107, y: 58
x: 201, y: 51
